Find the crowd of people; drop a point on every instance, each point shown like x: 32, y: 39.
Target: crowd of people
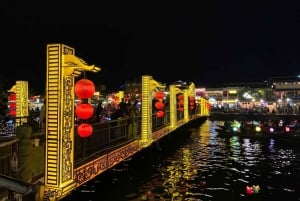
x: 113, y: 112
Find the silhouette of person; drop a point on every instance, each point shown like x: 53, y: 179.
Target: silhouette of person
x: 123, y: 106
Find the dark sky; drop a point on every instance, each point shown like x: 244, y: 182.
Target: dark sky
x: 206, y: 43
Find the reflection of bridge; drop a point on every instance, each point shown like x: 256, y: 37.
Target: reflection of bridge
x: 69, y: 160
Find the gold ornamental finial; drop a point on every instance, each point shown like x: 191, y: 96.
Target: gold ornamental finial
x: 74, y: 65
x: 13, y: 89
x: 154, y: 84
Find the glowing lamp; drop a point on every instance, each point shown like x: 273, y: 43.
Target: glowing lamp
x: 271, y: 130
x: 84, y: 88
x: 249, y: 190
x: 180, y: 109
x: 160, y: 113
x: 159, y: 105
x: 256, y: 188
x: 257, y: 129
x: 85, y: 130
x: 84, y: 111
x: 287, y: 129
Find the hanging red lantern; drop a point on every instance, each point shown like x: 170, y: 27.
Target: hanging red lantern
x: 159, y: 105
x: 159, y: 95
x: 84, y: 88
x: 13, y: 112
x: 12, y: 105
x: 180, y: 97
x: 85, y: 130
x: 181, y: 109
x: 160, y: 113
x: 192, y: 107
x: 180, y: 103
x: 192, y: 98
x: 84, y: 111
x: 12, y: 97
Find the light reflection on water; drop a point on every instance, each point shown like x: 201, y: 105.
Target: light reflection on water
x: 202, y: 166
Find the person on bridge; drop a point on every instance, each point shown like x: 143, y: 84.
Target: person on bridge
x: 123, y: 106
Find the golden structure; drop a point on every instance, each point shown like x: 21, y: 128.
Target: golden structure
x: 190, y: 92
x: 204, y: 107
x: 173, y: 105
x: 149, y: 85
x: 22, y: 110
x: 62, y: 68
x: 61, y: 177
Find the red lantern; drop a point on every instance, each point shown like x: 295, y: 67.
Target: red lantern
x: 181, y: 109
x: 160, y: 114
x: 159, y: 105
x: 159, y: 95
x: 85, y: 130
x: 180, y: 97
x: 84, y: 88
x: 12, y: 105
x: 12, y: 97
x: 12, y: 112
x: 84, y: 111
x: 249, y: 190
x: 180, y: 103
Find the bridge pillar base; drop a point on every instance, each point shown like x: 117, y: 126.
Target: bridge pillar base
x: 143, y: 143
x: 55, y: 193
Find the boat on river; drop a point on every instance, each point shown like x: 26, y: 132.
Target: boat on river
x: 255, y: 132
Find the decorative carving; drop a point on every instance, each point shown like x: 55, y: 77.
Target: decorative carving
x: 51, y: 193
x: 67, y: 122
x: 95, y: 167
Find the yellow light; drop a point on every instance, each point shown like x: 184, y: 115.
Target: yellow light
x: 257, y: 129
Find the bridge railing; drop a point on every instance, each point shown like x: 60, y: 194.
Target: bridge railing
x: 108, y: 135
x: 158, y: 123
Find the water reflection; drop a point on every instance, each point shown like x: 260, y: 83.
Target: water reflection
x: 199, y: 165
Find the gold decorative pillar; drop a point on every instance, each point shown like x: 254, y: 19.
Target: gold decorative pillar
x: 146, y: 112
x: 186, y: 105
x: 22, y: 99
x: 173, y: 106
x: 203, y: 103
x: 191, y: 93
x: 148, y: 86
x: 21, y: 91
x: 62, y: 68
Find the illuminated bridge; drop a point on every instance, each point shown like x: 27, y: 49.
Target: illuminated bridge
x: 64, y: 160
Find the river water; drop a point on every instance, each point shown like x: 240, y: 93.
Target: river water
x: 196, y: 164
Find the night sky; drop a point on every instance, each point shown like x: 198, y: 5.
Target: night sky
x: 209, y: 43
